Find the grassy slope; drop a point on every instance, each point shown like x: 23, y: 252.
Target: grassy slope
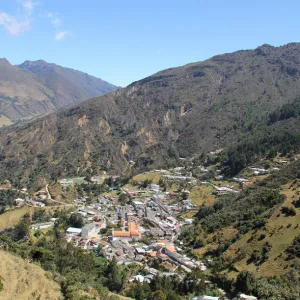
x: 279, y: 230
x: 154, y: 176
x: 25, y: 281
x: 4, y: 121
x: 202, y: 194
x: 12, y: 218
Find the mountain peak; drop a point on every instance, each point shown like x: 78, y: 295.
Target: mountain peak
x: 39, y: 61
x: 4, y: 60
x: 46, y: 87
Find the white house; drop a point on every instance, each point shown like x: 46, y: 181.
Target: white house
x: 207, y: 298
x: 246, y: 297
x: 72, y: 231
x: 41, y: 225
x: 154, y: 187
x: 19, y: 202
x: 89, y: 230
x: 188, y: 221
x: 140, y: 278
x: 138, y: 204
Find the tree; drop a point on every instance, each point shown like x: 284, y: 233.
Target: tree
x: 2, y: 210
x: 158, y: 295
x: 22, y: 229
x: 173, y: 153
x: 185, y: 195
x: 140, y: 291
x: 245, y: 282
x: 75, y: 221
x: 114, y: 276
x: 145, y: 183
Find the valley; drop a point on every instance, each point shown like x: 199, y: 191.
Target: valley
x: 172, y: 223
x: 183, y: 185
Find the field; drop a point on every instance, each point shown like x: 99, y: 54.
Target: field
x: 4, y: 121
x: 25, y: 281
x: 154, y: 176
x: 78, y: 180
x: 202, y: 194
x: 12, y: 218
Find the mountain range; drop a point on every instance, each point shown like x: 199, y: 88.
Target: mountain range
x: 178, y: 112
x: 36, y: 88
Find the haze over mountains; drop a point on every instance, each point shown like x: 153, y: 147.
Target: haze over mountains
x: 36, y: 88
x: 176, y: 112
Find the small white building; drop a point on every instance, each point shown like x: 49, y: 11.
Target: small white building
x: 140, y: 278
x: 140, y: 251
x: 41, y: 225
x: 40, y: 204
x: 138, y: 204
x: 207, y: 298
x: 89, y: 230
x: 219, y: 177
x: 154, y: 187
x: 72, y: 231
x: 188, y: 221
x: 246, y: 297
x: 19, y: 202
x: 66, y: 182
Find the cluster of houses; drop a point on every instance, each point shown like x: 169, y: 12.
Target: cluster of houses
x: 31, y: 202
x: 142, y: 231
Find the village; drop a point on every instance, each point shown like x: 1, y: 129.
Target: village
x: 142, y: 224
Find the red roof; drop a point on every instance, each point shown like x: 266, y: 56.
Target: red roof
x: 171, y: 248
x: 121, y: 233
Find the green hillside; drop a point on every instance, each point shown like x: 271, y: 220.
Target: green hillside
x: 255, y: 233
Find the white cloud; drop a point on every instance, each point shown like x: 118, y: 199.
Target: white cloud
x: 61, y: 35
x: 12, y: 25
x: 28, y: 5
x: 55, y: 20
x: 16, y: 24
x: 57, y: 23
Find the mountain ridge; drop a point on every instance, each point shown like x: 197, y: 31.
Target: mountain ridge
x: 178, y: 112
x: 36, y: 88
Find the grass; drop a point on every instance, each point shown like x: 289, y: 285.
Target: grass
x: 78, y: 180
x: 154, y: 176
x: 279, y: 231
x: 25, y: 281
x: 4, y: 121
x: 12, y: 218
x: 202, y: 194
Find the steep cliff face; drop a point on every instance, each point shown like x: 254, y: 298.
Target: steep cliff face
x: 180, y: 111
x: 37, y: 88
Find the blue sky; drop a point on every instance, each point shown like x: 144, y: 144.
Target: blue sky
x: 125, y: 40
